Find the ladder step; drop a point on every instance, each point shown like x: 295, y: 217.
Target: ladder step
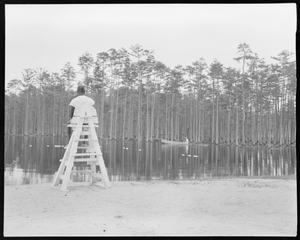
x: 85, y: 159
x: 85, y: 116
x: 81, y: 171
x: 85, y: 126
x: 86, y: 154
x: 88, y: 148
x: 85, y: 140
x: 82, y: 160
x: 85, y: 133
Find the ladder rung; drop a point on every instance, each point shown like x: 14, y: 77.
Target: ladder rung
x: 86, y: 147
x: 85, y: 116
x: 85, y: 160
x: 85, y: 140
x: 85, y: 126
x: 81, y: 171
x: 91, y: 160
x: 85, y: 133
x: 86, y: 154
x: 82, y: 160
x: 91, y: 150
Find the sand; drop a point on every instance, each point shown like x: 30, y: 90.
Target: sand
x: 215, y: 207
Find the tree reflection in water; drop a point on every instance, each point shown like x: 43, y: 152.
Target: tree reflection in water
x: 35, y: 159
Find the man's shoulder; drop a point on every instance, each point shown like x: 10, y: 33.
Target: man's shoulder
x: 72, y: 98
x: 86, y: 97
x: 82, y: 99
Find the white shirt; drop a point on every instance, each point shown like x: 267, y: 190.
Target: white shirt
x: 81, y: 100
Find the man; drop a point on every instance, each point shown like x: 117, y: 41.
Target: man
x: 77, y: 102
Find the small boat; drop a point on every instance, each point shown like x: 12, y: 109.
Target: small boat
x: 173, y: 142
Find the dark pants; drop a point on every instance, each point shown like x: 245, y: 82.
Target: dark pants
x: 69, y: 132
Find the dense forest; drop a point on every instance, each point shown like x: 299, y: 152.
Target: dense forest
x: 138, y: 97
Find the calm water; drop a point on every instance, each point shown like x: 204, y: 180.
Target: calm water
x: 31, y: 160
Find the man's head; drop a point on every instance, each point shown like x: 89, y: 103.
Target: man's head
x: 80, y: 90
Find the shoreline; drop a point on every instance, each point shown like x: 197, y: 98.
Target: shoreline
x: 208, y: 207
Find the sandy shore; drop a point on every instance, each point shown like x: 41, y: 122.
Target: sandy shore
x: 218, y: 207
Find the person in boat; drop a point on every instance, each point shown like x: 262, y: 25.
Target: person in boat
x: 76, y: 102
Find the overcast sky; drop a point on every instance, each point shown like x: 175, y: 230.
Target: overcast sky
x: 49, y: 36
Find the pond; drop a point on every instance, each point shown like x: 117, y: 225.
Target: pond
x: 30, y: 160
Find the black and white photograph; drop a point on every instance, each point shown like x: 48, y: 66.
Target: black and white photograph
x: 150, y: 120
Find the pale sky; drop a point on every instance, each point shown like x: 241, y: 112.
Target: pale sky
x: 49, y: 36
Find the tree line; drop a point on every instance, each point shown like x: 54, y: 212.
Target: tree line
x: 138, y: 97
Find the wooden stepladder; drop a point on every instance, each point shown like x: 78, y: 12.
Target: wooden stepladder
x: 83, y: 124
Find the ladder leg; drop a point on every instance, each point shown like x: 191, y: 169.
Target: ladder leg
x: 73, y: 149
x: 67, y: 174
x: 100, y: 158
x: 93, y: 169
x: 63, y: 162
x: 103, y: 172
